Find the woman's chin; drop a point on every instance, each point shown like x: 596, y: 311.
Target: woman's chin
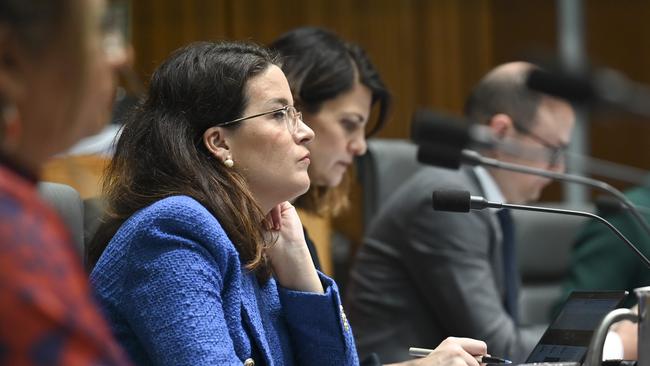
x: 329, y: 181
x: 335, y: 180
x: 303, y: 186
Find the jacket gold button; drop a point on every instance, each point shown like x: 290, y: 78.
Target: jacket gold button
x: 249, y: 362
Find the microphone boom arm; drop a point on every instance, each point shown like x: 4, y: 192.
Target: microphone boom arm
x: 643, y: 258
x: 474, y: 158
x: 462, y: 201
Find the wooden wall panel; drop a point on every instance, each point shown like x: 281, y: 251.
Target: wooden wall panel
x: 456, y: 51
x: 520, y: 28
x: 161, y: 26
x: 428, y: 52
x: 619, y: 37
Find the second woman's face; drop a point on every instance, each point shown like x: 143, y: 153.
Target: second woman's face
x: 273, y: 160
x: 340, y: 135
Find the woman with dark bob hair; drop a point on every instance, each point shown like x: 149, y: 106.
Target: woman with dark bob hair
x: 335, y: 86
x: 201, y: 260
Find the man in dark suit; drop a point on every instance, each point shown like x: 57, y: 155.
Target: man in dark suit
x: 424, y: 275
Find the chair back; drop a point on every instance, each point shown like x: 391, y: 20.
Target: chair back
x: 544, y: 243
x: 68, y: 204
x: 387, y: 164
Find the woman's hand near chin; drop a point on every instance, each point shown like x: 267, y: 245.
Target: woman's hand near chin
x: 289, y: 255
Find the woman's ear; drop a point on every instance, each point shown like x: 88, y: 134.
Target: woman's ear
x: 501, y: 125
x: 214, y: 139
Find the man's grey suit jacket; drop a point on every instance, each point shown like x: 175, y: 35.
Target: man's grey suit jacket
x: 423, y: 275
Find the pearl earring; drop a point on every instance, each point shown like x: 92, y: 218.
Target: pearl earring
x: 228, y: 162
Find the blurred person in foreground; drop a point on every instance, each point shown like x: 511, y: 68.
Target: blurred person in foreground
x: 56, y: 86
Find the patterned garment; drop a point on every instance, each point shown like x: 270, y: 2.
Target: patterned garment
x: 47, y: 316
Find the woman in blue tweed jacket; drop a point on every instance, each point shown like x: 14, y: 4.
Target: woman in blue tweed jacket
x: 201, y: 260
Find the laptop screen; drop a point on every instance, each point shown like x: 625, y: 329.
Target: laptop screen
x: 567, y: 338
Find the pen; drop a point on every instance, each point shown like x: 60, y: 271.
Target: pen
x: 491, y: 359
x: 424, y: 352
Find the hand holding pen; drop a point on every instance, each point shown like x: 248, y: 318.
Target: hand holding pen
x: 451, y: 352
x: 424, y: 352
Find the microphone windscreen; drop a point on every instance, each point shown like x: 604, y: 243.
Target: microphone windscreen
x: 572, y: 87
x: 440, y: 155
x: 429, y: 127
x: 451, y: 200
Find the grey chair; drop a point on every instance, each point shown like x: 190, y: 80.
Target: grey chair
x: 544, y: 246
x: 93, y: 211
x: 386, y: 165
x: 81, y: 217
x: 68, y: 204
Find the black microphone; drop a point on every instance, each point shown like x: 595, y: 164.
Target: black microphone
x: 570, y: 86
x: 463, y: 201
x: 473, y: 158
x: 602, y: 86
x: 440, y: 155
x: 429, y: 127
x: 451, y: 200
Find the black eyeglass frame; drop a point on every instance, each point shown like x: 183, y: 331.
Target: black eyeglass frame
x: 556, y: 152
x: 286, y: 108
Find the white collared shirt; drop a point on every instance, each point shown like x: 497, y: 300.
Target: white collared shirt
x: 491, y: 190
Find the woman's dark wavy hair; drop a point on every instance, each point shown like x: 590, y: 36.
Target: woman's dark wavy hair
x: 160, y: 152
x: 320, y: 66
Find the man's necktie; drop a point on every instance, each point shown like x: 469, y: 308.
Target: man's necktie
x: 510, y: 271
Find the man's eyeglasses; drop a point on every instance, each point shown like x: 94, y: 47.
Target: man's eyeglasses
x: 288, y: 114
x: 555, y: 152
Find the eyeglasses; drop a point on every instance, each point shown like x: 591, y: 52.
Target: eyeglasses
x: 555, y: 152
x: 288, y: 114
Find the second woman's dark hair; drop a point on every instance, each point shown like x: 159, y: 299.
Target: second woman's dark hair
x: 160, y: 152
x: 320, y: 66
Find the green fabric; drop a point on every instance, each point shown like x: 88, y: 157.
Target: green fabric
x: 601, y: 261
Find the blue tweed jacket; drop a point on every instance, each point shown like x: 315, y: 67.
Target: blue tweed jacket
x: 174, y: 290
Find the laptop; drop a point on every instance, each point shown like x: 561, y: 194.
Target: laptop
x: 567, y: 339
